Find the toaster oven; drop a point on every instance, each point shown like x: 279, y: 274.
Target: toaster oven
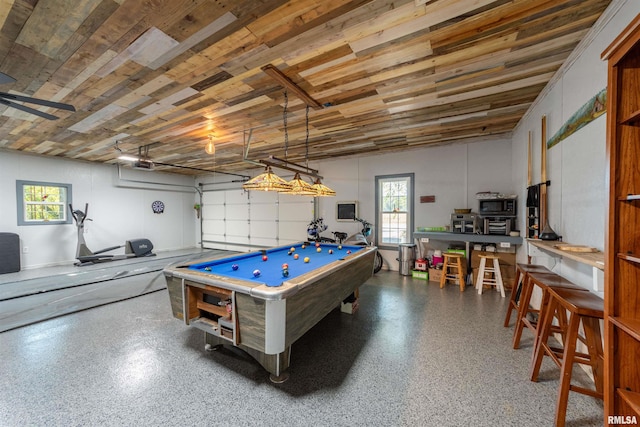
x: 498, y: 225
x: 464, y: 223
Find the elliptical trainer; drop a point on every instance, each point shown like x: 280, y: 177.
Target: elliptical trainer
x: 133, y: 248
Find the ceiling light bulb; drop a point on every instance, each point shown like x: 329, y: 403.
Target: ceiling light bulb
x: 210, y: 148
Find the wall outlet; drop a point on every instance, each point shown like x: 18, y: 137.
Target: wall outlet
x: 25, y: 249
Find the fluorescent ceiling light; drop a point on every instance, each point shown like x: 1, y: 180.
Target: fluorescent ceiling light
x: 128, y: 158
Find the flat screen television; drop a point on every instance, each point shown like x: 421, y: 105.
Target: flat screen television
x: 346, y: 211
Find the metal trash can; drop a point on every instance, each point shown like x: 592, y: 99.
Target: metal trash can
x: 406, y: 258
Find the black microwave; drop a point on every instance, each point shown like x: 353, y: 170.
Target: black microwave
x: 498, y: 207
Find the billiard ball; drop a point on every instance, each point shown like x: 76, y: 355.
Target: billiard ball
x: 256, y: 273
x: 285, y: 266
x: 317, y: 244
x: 235, y: 267
x: 339, y: 246
x: 296, y: 256
x: 289, y: 253
x: 348, y: 252
x: 292, y: 249
x: 319, y: 250
x: 264, y: 257
x: 207, y: 269
x: 330, y: 251
x: 304, y: 246
x: 306, y: 259
x: 285, y: 273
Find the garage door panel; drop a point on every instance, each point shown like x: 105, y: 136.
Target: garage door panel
x: 263, y: 212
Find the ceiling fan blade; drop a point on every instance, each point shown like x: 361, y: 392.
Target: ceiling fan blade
x: 37, y: 101
x: 6, y: 79
x: 27, y: 109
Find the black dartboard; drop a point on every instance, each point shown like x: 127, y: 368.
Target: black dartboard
x: 157, y: 206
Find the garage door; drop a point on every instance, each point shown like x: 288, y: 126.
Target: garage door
x: 240, y: 221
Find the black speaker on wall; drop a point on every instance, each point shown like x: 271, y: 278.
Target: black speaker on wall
x: 9, y: 253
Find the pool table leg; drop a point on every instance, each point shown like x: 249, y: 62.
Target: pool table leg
x: 276, y: 364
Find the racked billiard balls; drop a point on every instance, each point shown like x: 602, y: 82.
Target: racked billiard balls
x: 235, y: 267
x: 306, y: 259
x: 256, y: 273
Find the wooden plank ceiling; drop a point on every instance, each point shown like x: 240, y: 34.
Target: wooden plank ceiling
x: 389, y: 74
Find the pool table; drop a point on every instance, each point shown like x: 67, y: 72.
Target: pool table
x: 264, y: 312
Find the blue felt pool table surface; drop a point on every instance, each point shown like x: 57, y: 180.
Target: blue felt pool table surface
x: 271, y: 270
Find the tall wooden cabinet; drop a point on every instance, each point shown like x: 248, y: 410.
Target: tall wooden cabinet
x: 622, y: 272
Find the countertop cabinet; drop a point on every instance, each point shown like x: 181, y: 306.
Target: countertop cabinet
x: 622, y: 271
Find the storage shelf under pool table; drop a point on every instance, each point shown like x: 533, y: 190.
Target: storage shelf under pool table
x: 209, y: 317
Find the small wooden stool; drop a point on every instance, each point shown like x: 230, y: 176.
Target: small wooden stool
x: 453, y: 269
x: 544, y: 281
x: 516, y: 292
x: 494, y: 270
x: 585, y: 308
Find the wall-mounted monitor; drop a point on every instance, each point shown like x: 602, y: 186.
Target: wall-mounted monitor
x: 346, y: 211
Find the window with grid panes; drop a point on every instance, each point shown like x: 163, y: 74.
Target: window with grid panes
x: 394, y: 195
x: 42, y: 202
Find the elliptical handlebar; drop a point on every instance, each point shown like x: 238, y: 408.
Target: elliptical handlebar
x: 79, y: 216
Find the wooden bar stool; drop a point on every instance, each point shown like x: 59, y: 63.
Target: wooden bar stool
x: 585, y: 308
x: 544, y: 281
x: 516, y: 292
x: 493, y: 270
x: 453, y: 269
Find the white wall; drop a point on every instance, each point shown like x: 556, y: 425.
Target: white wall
x: 120, y: 208
x: 576, y: 167
x: 453, y: 173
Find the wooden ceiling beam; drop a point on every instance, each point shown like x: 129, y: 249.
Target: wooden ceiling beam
x: 287, y: 83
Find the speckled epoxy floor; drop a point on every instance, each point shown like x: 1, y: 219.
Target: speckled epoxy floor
x: 413, y: 355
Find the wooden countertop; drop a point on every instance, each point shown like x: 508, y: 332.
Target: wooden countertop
x: 594, y: 259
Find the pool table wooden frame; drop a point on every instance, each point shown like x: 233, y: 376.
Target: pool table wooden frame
x: 265, y: 321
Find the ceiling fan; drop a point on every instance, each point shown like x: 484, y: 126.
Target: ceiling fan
x: 7, y: 98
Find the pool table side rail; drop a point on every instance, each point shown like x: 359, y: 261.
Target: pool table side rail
x: 296, y: 284
x: 206, y: 278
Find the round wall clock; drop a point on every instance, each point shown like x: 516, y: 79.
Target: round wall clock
x: 157, y: 206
